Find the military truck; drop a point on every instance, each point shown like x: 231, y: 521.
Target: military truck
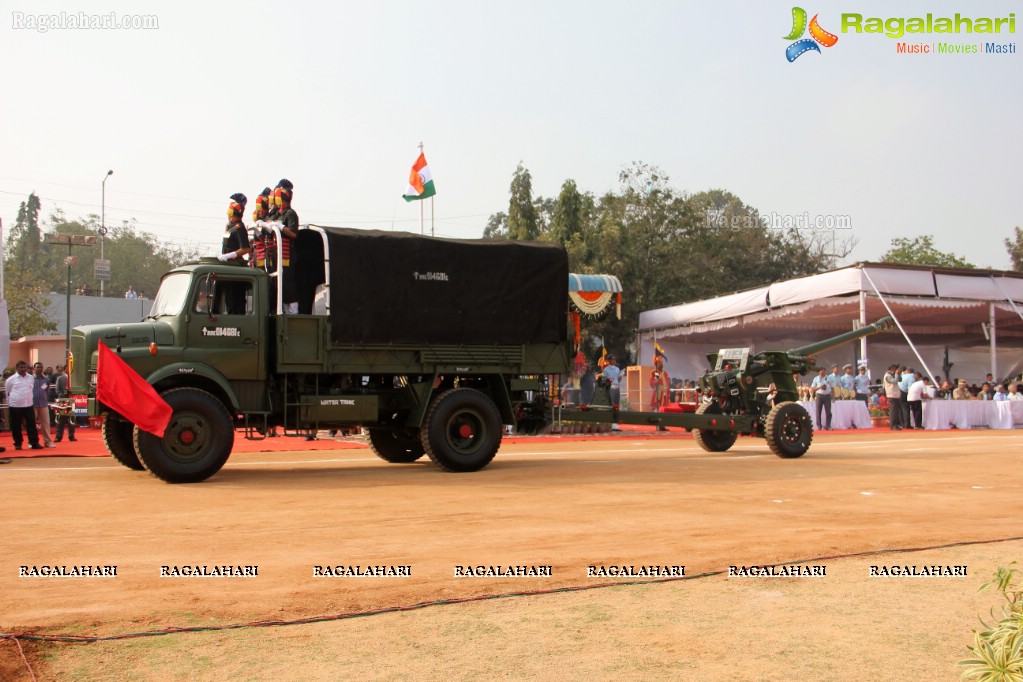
x: 430, y: 345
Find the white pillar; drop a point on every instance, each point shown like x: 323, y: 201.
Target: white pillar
x: 994, y: 342
x: 863, y: 323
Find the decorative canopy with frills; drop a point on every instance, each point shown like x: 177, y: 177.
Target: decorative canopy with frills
x: 593, y: 295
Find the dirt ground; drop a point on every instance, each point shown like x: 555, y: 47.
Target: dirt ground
x: 567, y: 505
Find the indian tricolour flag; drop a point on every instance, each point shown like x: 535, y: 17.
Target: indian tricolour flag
x: 420, y: 182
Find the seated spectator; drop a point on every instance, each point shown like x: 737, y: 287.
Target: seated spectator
x: 945, y: 391
x: 962, y: 392
x: 1000, y: 393
x: 1015, y: 391
x: 985, y: 392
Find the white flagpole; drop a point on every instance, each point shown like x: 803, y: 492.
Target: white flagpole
x: 433, y: 225
x: 422, y: 223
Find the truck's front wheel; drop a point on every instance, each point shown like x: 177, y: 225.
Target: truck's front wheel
x: 196, y: 443
x: 462, y: 430
x: 117, y: 437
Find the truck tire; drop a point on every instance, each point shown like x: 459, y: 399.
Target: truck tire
x: 713, y: 441
x: 395, y: 446
x: 788, y: 430
x: 462, y: 430
x: 197, y: 442
x: 117, y: 437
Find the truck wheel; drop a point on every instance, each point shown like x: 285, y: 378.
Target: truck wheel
x: 462, y: 430
x: 117, y: 437
x: 395, y: 446
x: 788, y: 430
x: 197, y: 441
x: 713, y: 441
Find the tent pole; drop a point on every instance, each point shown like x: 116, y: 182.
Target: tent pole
x: 1007, y: 298
x: 863, y: 323
x: 897, y: 323
x: 994, y: 342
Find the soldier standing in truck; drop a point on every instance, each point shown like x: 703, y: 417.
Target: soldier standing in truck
x: 289, y: 230
x: 235, y: 246
x: 259, y: 233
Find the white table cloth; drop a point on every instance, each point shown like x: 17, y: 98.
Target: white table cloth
x: 968, y: 414
x: 845, y: 414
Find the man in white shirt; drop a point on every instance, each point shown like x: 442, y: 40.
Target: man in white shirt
x: 894, y: 395
x: 19, y: 388
x: 1014, y: 392
x: 918, y: 392
x: 821, y: 388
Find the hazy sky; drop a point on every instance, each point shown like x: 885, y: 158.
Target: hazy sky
x: 228, y: 97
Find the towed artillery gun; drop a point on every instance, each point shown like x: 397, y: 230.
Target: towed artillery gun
x: 734, y: 398
x: 737, y: 390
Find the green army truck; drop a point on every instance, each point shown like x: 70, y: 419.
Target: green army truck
x: 430, y: 345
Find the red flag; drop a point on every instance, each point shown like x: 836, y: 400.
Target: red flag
x: 120, y: 387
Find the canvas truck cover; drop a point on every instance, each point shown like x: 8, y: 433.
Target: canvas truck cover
x: 398, y: 287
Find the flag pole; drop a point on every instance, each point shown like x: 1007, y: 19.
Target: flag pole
x: 422, y: 224
x: 433, y: 225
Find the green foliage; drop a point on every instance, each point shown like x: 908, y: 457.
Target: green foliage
x: 497, y: 226
x: 998, y: 647
x: 1015, y: 248
x: 36, y: 267
x: 25, y: 236
x: 522, y: 218
x: 25, y: 291
x: 921, y: 251
x: 666, y: 246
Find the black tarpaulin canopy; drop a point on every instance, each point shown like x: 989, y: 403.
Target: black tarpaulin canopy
x: 398, y: 287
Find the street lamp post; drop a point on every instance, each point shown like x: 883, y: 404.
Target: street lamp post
x: 102, y: 227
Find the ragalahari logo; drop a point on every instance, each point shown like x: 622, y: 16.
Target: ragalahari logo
x: 817, y: 35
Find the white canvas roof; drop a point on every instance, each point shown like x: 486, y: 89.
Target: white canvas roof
x: 938, y: 308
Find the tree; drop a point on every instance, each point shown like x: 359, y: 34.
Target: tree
x: 23, y: 242
x: 136, y: 258
x: 569, y: 214
x: 666, y: 246
x: 522, y: 222
x: 921, y: 251
x: 24, y: 290
x: 497, y: 226
x: 1015, y: 248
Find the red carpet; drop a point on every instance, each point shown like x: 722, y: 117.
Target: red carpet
x: 89, y: 443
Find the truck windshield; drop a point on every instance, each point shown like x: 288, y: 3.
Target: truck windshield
x: 170, y: 299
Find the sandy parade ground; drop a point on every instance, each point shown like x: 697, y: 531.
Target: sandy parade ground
x: 634, y: 555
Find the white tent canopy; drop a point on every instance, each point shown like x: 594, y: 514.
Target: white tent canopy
x: 974, y: 314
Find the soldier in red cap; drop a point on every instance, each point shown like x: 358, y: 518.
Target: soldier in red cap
x: 289, y: 230
x: 262, y: 239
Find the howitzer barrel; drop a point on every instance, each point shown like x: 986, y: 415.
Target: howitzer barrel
x: 881, y: 325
